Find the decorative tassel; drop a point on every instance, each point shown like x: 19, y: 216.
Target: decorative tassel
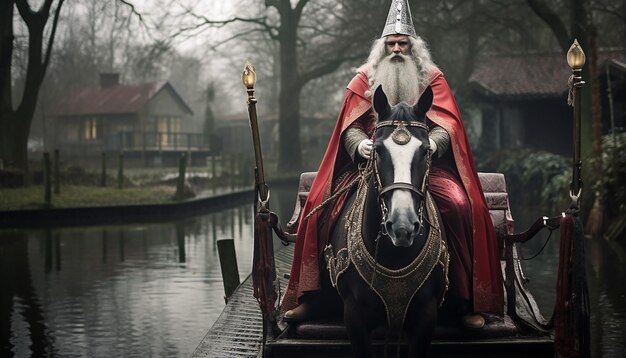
x: 262, y: 272
x: 571, y: 313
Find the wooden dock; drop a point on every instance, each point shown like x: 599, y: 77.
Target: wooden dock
x: 238, y: 330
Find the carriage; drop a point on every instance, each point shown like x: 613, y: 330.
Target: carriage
x: 521, y: 332
x: 242, y: 331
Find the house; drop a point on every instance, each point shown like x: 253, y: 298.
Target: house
x: 523, y: 99
x: 144, y: 121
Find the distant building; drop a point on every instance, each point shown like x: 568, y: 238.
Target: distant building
x: 234, y: 136
x: 144, y: 121
x: 523, y: 99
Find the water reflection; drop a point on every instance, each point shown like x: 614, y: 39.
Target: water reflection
x: 180, y: 240
x: 154, y: 290
x: 132, y: 290
x: 606, y: 276
x: 19, y: 300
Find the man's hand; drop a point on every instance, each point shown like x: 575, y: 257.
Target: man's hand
x: 365, y: 148
x: 433, y: 146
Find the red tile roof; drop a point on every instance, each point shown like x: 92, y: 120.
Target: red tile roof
x: 116, y: 99
x: 544, y: 75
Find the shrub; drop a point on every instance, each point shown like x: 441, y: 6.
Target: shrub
x: 608, y: 181
x: 537, y: 181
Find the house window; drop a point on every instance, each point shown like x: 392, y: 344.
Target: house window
x: 167, y: 130
x: 163, y: 130
x: 91, y: 129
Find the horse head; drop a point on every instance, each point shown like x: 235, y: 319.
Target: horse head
x: 401, y: 165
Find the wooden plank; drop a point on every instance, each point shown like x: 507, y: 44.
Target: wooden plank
x: 228, y: 264
x: 226, y: 338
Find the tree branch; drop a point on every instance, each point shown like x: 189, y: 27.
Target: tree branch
x: 238, y: 35
x: 553, y: 21
x: 25, y: 11
x: 132, y: 9
x: 326, y: 68
x: 55, y: 22
x: 46, y: 7
x: 261, y: 21
x: 270, y: 3
x: 299, y: 7
x: 613, y: 12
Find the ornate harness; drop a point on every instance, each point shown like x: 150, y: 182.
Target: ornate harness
x: 396, y: 288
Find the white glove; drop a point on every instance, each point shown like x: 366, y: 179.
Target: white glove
x: 433, y: 146
x: 365, y: 148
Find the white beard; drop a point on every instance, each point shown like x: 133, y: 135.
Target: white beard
x: 400, y: 78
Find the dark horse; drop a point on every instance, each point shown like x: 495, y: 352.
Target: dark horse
x: 387, y: 255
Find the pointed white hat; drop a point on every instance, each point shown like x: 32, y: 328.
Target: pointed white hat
x: 399, y: 20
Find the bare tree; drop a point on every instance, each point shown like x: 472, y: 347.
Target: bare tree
x: 15, y: 123
x: 461, y: 33
x: 309, y: 47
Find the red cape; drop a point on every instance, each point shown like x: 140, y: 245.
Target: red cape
x: 487, y: 277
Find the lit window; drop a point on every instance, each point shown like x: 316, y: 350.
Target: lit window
x: 163, y: 131
x: 91, y: 129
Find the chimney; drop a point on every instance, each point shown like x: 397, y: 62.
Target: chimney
x: 109, y: 79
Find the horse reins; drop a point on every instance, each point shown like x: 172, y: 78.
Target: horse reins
x: 421, y: 192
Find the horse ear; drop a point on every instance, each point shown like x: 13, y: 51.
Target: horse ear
x: 423, y: 105
x: 381, y: 103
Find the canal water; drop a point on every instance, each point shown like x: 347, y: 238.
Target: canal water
x: 155, y: 289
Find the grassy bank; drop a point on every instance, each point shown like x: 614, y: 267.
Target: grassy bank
x: 80, y: 187
x: 83, y: 196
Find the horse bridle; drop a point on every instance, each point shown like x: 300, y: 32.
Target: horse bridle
x: 399, y: 135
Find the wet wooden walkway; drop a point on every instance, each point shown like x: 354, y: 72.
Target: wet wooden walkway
x: 238, y: 330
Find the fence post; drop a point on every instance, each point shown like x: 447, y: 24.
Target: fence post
x: 120, y: 172
x: 182, y: 166
x: 57, y: 180
x: 103, y: 176
x: 228, y: 264
x: 47, y: 196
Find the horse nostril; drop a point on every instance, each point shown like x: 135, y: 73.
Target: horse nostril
x: 388, y: 226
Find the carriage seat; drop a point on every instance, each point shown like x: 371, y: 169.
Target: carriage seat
x: 306, y: 179
x: 493, y: 185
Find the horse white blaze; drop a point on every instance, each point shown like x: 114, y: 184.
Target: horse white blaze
x: 401, y: 210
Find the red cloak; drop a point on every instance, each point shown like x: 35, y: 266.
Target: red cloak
x: 487, y: 277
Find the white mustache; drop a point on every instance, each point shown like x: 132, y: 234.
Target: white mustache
x: 397, y: 57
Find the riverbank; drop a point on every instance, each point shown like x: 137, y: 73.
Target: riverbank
x: 112, y: 206
x: 127, y: 213
x: 77, y: 196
